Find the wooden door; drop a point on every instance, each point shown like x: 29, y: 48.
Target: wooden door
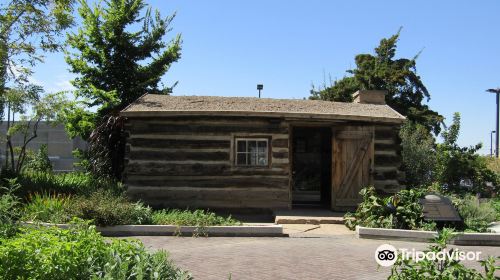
x: 353, y: 149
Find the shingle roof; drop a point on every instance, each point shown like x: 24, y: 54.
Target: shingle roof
x: 150, y: 105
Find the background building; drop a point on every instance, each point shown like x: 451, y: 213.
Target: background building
x: 60, y: 145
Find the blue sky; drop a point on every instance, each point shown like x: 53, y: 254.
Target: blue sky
x: 230, y: 46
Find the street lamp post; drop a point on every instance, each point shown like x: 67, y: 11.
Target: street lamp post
x: 491, y: 142
x: 497, y: 129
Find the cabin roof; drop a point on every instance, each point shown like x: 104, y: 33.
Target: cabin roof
x: 155, y: 105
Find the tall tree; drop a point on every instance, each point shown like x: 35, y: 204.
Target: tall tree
x: 119, y: 53
x: 28, y: 29
x: 381, y: 70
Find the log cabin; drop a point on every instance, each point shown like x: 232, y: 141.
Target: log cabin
x: 260, y: 153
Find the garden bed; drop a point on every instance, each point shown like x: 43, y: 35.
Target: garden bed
x: 249, y: 230
x: 466, y: 238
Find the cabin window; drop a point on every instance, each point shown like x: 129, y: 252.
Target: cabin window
x: 252, y: 152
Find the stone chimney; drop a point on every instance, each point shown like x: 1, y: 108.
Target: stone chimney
x: 370, y: 96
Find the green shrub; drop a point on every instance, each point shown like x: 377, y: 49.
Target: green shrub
x: 496, y: 205
x: 39, y: 161
x: 9, y: 209
x: 409, y: 269
x: 48, y: 208
x: 476, y: 216
x: 107, y: 208
x: 418, y: 154
x: 455, y: 163
x: 63, y: 183
x: 399, y: 211
x: 80, y: 253
x: 191, y: 218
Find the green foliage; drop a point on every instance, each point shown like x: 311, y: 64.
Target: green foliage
x: 32, y: 108
x: 28, y: 28
x: 40, y: 161
x: 63, y: 183
x: 475, y: 214
x: 382, y: 71
x: 80, y: 253
x: 109, y: 49
x: 338, y: 91
x: 105, y: 208
x: 117, y: 39
x: 191, y: 218
x: 418, y: 154
x: 9, y: 209
x: 47, y: 207
x: 399, y: 211
x: 450, y: 268
x: 455, y: 163
x: 496, y: 205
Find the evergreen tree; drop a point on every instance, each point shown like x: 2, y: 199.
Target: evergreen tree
x: 382, y: 71
x: 120, y: 54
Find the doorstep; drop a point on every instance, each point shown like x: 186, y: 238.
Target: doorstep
x: 308, y: 216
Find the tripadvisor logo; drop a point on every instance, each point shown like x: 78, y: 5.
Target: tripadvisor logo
x: 386, y: 255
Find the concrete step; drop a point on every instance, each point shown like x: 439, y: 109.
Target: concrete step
x: 308, y: 216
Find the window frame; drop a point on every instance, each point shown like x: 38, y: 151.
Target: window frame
x: 247, y: 139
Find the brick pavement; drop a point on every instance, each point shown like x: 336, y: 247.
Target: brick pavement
x: 340, y: 256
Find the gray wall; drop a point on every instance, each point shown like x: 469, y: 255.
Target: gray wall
x: 60, y: 146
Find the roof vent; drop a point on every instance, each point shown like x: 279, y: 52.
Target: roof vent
x: 370, y: 96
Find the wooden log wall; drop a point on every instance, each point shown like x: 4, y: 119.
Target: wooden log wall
x: 188, y: 162
x: 387, y: 175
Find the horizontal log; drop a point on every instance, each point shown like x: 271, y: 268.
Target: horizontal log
x: 223, y: 169
x: 387, y: 146
x: 280, y: 155
x: 154, y: 128
x: 385, y: 133
x: 180, y: 156
x: 216, y: 194
x: 179, y: 143
x: 387, y: 160
x: 280, y: 143
x: 218, y: 204
x: 249, y: 182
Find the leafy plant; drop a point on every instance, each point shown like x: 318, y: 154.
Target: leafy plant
x: 191, y: 218
x: 47, y: 208
x: 105, y: 208
x: 63, y: 183
x: 455, y: 163
x: 40, y: 161
x: 417, y: 154
x: 9, y: 209
x: 475, y: 214
x: 80, y: 253
x: 449, y: 268
x: 383, y: 71
x: 401, y: 211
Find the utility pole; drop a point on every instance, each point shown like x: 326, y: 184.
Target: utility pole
x: 497, y: 92
x: 491, y: 142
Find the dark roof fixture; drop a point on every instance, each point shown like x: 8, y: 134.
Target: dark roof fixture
x: 259, y: 88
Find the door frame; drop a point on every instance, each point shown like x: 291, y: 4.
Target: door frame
x: 293, y: 126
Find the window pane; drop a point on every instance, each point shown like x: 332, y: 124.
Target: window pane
x: 242, y: 146
x: 252, y: 146
x: 241, y: 159
x: 262, y: 159
x: 262, y: 146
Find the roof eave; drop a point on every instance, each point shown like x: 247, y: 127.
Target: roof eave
x: 313, y: 116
